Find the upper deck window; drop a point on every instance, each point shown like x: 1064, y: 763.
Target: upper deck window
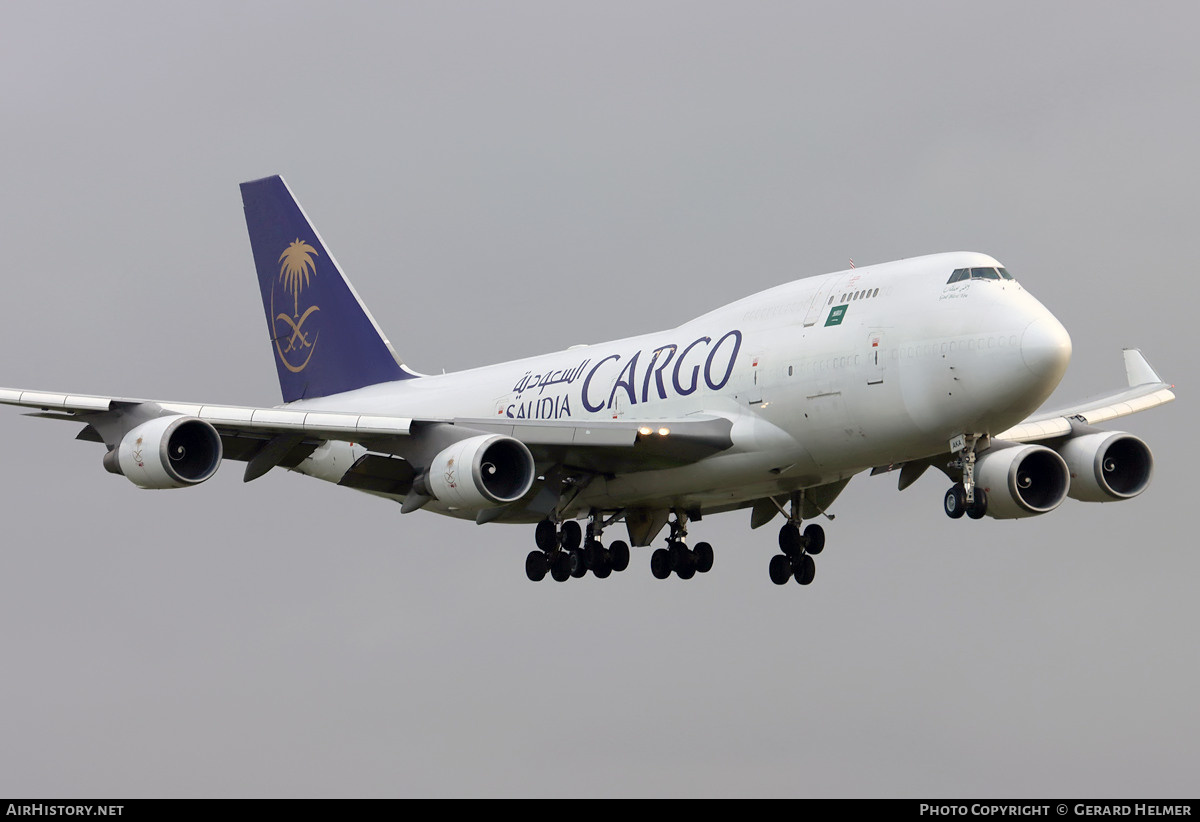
x: 961, y: 274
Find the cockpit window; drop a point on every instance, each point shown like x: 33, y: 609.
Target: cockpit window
x: 961, y: 274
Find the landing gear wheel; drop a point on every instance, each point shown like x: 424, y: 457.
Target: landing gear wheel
x: 536, y: 566
x: 978, y: 508
x: 685, y: 564
x: 679, y: 554
x: 593, y: 553
x: 704, y: 557
x: 789, y: 539
x: 572, y: 535
x: 619, y: 552
x: 577, y: 563
x: 806, y: 570
x: 956, y: 501
x: 560, y: 567
x: 545, y: 537
x: 814, y: 538
x: 780, y: 569
x: 660, y: 563
x: 603, y: 569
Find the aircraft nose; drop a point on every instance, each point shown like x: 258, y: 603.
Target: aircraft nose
x: 1046, y: 348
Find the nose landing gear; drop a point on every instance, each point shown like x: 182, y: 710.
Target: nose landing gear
x: 965, y: 497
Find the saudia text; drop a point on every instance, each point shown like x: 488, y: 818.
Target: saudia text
x: 660, y: 373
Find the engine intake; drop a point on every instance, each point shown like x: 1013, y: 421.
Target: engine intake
x: 481, y: 472
x: 1022, y: 481
x: 167, y: 452
x: 1107, y: 466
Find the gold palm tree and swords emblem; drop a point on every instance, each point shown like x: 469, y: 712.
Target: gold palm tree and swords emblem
x: 295, y: 270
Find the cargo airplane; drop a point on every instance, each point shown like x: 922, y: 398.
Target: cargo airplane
x: 771, y: 404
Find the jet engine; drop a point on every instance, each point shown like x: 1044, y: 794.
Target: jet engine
x: 1107, y: 466
x: 481, y: 472
x: 1022, y: 481
x: 167, y: 452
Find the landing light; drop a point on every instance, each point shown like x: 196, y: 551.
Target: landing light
x: 662, y: 432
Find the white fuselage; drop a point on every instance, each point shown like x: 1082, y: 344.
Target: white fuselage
x: 822, y: 378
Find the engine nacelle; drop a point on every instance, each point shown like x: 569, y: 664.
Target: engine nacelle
x: 1022, y: 481
x: 167, y: 452
x: 1107, y: 466
x: 481, y: 472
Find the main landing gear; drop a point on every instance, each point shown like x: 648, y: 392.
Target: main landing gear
x: 799, y: 548
x: 677, y: 558
x: 966, y: 497
x: 563, y: 552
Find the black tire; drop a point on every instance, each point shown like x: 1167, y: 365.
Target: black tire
x: 560, y: 567
x: 593, y: 552
x: 685, y: 564
x: 578, y: 563
x: 806, y: 570
x: 619, y: 551
x: 704, y: 557
x: 814, y: 538
x: 955, y: 502
x: 978, y: 508
x: 660, y: 563
x: 789, y: 539
x: 572, y: 535
x: 780, y: 569
x: 536, y: 566
x: 678, y: 551
x: 603, y: 569
x: 545, y: 536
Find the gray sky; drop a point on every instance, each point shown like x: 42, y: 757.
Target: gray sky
x: 503, y: 179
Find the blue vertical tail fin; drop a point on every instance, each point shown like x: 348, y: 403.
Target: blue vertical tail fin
x: 323, y: 338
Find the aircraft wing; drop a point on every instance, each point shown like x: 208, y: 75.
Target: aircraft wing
x: 263, y: 437
x: 266, y: 437
x: 1145, y: 390
x: 231, y: 418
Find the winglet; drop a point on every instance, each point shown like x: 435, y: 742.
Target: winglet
x: 324, y: 339
x: 1137, y: 370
